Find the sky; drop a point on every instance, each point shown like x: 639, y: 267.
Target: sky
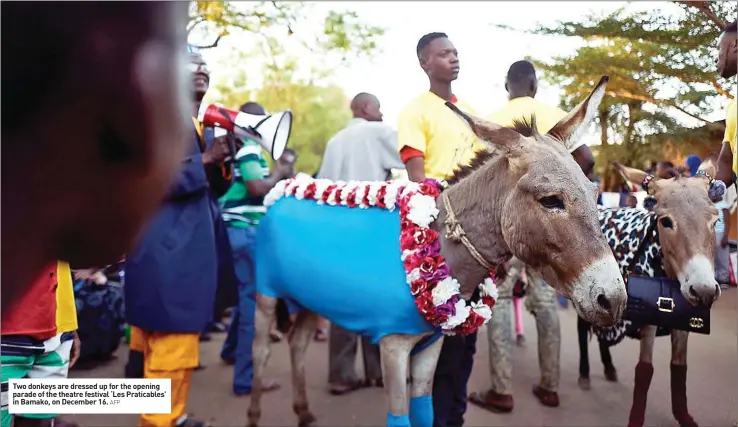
x: 485, y: 52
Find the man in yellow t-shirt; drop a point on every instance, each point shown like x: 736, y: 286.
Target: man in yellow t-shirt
x: 522, y: 86
x: 433, y: 141
x: 726, y: 64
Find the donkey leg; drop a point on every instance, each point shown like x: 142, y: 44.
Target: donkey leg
x: 265, y: 311
x: 302, y: 333
x: 611, y: 374
x: 643, y: 375
x: 679, y: 379
x: 582, y: 331
x: 423, y: 368
x: 395, y: 354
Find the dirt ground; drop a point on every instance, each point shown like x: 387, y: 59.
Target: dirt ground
x: 712, y: 384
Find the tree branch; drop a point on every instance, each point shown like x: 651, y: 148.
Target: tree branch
x: 210, y: 46
x: 721, y: 91
x: 635, y: 97
x: 191, y: 26
x: 703, y: 7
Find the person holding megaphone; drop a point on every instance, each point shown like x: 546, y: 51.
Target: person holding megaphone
x: 243, y: 207
x: 172, y: 276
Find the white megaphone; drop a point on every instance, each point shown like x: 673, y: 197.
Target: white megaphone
x: 271, y: 131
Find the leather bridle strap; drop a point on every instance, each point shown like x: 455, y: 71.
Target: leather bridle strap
x: 455, y: 233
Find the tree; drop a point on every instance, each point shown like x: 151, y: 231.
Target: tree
x: 662, y: 72
x: 342, y: 32
x: 319, y: 110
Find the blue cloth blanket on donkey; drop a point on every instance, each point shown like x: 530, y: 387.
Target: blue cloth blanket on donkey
x: 363, y: 255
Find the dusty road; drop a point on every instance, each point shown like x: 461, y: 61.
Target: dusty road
x: 712, y: 384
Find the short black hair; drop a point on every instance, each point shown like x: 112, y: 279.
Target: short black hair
x: 426, y: 40
x: 731, y: 27
x: 521, y: 72
x: 252, y: 108
x: 666, y: 164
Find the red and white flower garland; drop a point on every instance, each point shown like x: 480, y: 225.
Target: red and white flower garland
x: 429, y: 277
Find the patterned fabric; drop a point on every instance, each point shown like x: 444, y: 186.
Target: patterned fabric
x: 625, y: 231
x: 101, y: 316
x: 26, y: 357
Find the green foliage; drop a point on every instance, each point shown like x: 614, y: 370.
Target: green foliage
x: 319, y: 111
x: 661, y: 65
x: 343, y: 33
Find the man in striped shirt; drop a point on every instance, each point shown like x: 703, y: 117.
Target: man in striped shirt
x: 242, y: 208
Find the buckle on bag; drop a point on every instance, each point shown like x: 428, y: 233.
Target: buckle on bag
x: 665, y: 304
x: 696, y: 323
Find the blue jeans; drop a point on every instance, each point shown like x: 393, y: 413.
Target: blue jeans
x: 241, y: 331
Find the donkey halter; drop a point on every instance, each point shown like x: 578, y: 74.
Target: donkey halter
x: 456, y: 234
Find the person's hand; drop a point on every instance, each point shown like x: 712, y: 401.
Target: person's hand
x: 85, y: 274
x: 74, y: 354
x: 218, y: 151
x: 724, y: 241
x: 284, y: 170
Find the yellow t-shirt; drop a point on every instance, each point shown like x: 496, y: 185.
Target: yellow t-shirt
x: 731, y: 121
x: 445, y: 139
x: 66, y: 308
x: 523, y: 108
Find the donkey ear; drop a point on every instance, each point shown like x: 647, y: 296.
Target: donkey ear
x: 493, y: 134
x: 637, y: 177
x: 572, y: 127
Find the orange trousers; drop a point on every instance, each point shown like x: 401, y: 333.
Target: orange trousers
x: 167, y: 355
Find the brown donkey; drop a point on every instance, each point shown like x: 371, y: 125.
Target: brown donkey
x: 525, y: 197
x: 682, y: 248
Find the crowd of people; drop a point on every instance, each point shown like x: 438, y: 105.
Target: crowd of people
x: 194, y: 258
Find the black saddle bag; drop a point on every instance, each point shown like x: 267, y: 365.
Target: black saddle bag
x: 659, y: 301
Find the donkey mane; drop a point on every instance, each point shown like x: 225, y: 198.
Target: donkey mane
x: 525, y: 127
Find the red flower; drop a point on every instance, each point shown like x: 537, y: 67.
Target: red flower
x: 471, y: 324
x: 489, y: 301
x: 418, y: 286
x: 424, y: 236
x: 407, y: 238
x: 327, y: 192
x: 380, y: 196
x: 429, y: 190
x: 310, y: 191
x: 428, y: 265
x: 365, y: 199
x: 424, y: 302
x: 351, y: 198
x: 406, y: 223
x: 338, y: 195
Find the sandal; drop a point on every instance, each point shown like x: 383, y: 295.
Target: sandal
x: 546, y: 397
x: 321, y: 335
x: 492, y: 401
x: 340, y: 389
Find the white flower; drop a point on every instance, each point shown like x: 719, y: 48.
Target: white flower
x: 359, y: 199
x: 373, y: 190
x: 276, y: 193
x: 320, y: 186
x: 462, y: 312
x: 390, y: 197
x: 413, y: 275
x: 483, y: 310
x: 489, y: 289
x: 444, y: 290
x: 423, y: 210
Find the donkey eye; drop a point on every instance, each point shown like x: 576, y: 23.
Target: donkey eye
x: 666, y: 222
x: 551, y: 202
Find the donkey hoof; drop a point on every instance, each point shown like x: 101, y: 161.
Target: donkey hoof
x: 306, y: 419
x: 254, y: 415
x: 584, y: 383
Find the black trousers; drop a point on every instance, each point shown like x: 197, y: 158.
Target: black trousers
x: 449, y: 383
x: 583, y: 332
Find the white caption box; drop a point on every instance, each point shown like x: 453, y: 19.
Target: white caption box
x: 90, y: 396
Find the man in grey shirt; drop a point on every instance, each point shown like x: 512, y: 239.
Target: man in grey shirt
x: 365, y: 150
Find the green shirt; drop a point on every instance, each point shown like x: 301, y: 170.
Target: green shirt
x: 239, y: 208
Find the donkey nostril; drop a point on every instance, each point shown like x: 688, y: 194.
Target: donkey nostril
x: 604, y: 302
x: 694, y: 293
